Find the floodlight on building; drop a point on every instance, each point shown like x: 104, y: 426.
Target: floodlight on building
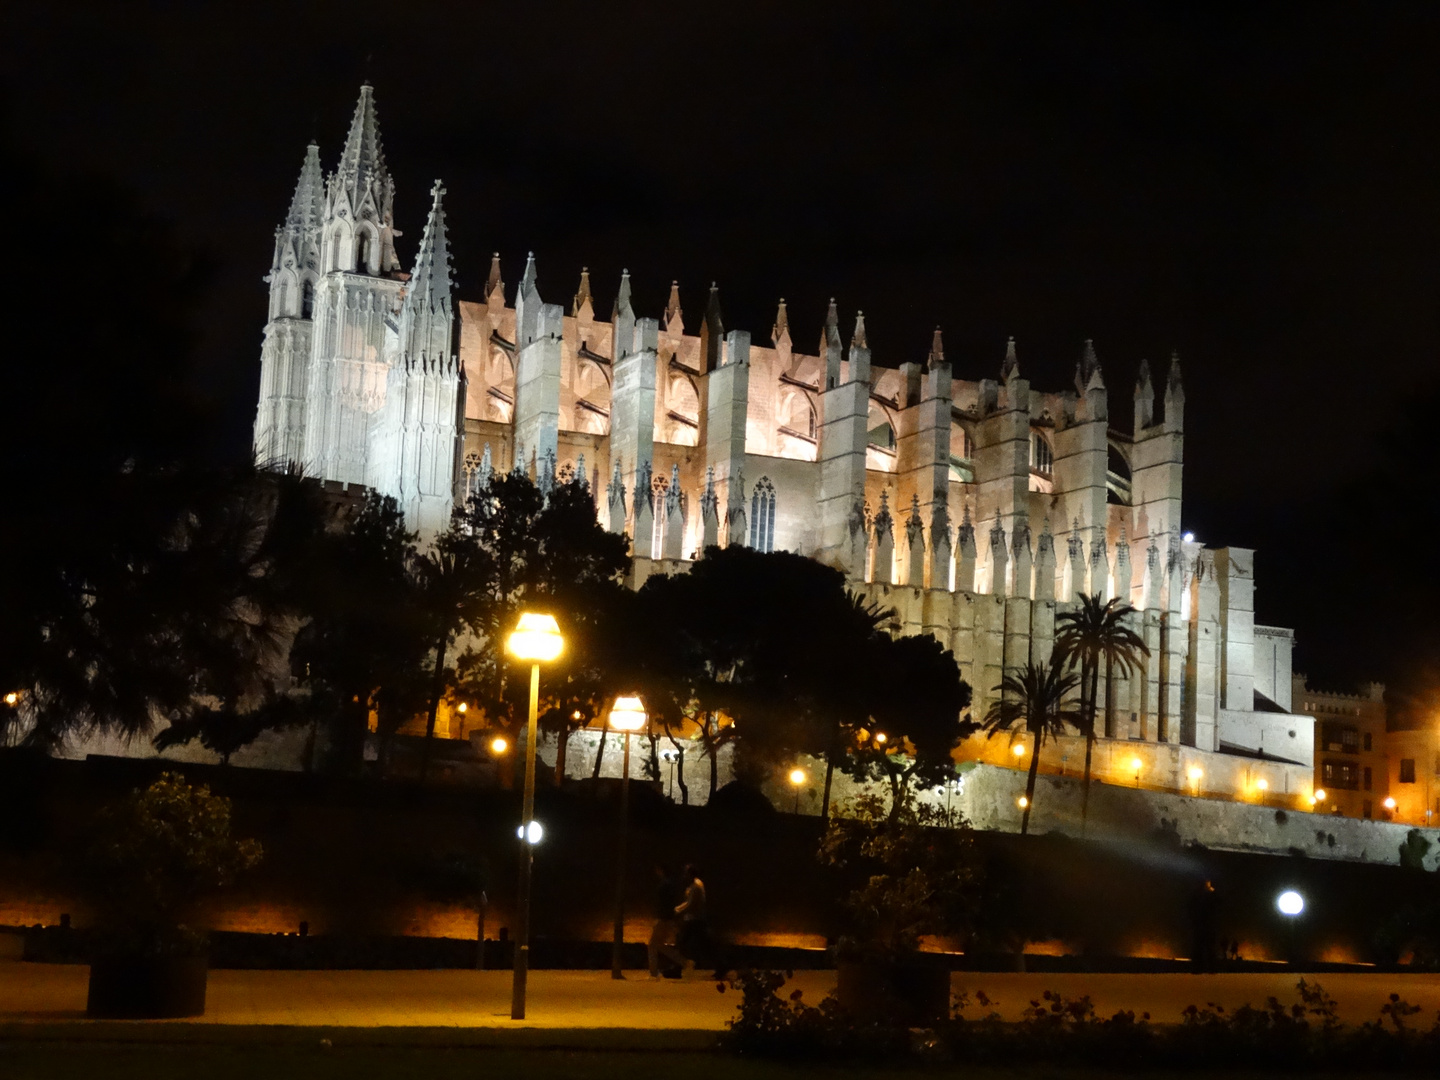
x: 881, y: 737
x: 536, y: 638
x: 797, y: 777
x: 1389, y: 803
x: 1262, y: 784
x: 1136, y: 764
x: 1320, y: 795
x: 12, y: 698
x: 1189, y: 538
x: 1022, y: 802
x: 499, y: 744
x: 1290, y: 903
x: 462, y: 708
x: 532, y: 833
x: 1018, y: 749
x: 577, y: 715
x: 1195, y: 773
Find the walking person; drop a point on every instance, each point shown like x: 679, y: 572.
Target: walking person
x: 694, y: 936
x: 663, y: 933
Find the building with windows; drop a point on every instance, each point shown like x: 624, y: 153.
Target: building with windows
x: 976, y: 505
x: 1350, y: 748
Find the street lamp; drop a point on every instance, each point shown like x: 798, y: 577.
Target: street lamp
x: 797, y: 778
x: 881, y: 738
x: 1262, y: 785
x: 1290, y: 904
x: 1018, y: 749
x: 1319, y: 795
x: 536, y: 640
x: 1195, y: 773
x: 627, y: 715
x: 498, y: 745
x: 1136, y: 764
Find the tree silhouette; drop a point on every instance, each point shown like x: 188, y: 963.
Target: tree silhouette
x: 1034, y: 699
x: 1093, y: 633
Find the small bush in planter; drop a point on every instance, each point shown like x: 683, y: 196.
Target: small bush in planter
x: 156, y: 856
x: 911, y: 871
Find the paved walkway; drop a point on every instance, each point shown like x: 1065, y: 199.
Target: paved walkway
x: 54, y: 993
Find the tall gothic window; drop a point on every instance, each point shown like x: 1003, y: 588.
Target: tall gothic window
x: 307, y: 300
x: 362, y: 263
x: 1041, y: 457
x: 762, y: 516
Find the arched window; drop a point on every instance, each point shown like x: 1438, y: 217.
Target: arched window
x: 362, y: 261
x: 762, y: 516
x: 1042, y: 459
x: 307, y: 300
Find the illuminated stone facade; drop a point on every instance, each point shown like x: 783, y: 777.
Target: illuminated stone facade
x: 978, y: 508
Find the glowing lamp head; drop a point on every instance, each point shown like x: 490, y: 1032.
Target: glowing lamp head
x: 797, y: 777
x: 531, y: 834
x: 1290, y: 903
x: 536, y: 638
x: 12, y: 698
x: 1136, y: 763
x: 1189, y: 538
x: 1018, y: 749
x: 1022, y: 802
x: 1195, y: 773
x: 499, y: 744
x: 881, y: 737
x: 1262, y: 784
x: 627, y: 714
x: 1390, y: 804
x: 1320, y: 795
x: 462, y: 708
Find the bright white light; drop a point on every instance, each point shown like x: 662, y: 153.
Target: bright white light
x: 1189, y: 538
x: 537, y: 832
x: 1290, y: 902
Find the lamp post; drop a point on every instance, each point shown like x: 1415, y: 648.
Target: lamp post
x: 627, y: 715
x: 536, y: 639
x: 797, y: 778
x: 1290, y: 904
x: 1137, y: 765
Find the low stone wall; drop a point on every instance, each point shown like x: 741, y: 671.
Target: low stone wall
x: 989, y: 797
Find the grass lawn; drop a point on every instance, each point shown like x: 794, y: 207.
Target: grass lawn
x: 97, y: 1060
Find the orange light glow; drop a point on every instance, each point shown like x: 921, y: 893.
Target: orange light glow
x: 499, y: 745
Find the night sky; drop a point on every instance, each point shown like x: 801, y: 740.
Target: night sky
x: 1258, y: 190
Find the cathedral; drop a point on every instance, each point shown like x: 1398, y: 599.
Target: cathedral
x: 977, y: 508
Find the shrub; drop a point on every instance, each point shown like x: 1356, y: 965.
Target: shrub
x: 157, y: 854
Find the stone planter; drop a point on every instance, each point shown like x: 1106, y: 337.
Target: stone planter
x: 909, y: 992
x: 147, y: 987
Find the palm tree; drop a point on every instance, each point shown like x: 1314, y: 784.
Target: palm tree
x: 1097, y: 631
x: 1034, y: 698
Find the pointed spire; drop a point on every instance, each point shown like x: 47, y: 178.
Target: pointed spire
x: 582, y: 294
x: 1143, y: 385
x: 832, y: 318
x: 307, y: 205
x: 858, y: 339
x: 527, y: 279
x: 493, y: 281
x: 712, y: 332
x: 1010, y: 366
x: 363, y: 159
x: 781, y: 329
x: 672, y: 306
x: 430, y: 284
x: 937, y: 350
x: 1173, y: 383
x: 1087, y: 368
x: 622, y: 300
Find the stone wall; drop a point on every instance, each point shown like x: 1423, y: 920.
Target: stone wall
x: 989, y: 795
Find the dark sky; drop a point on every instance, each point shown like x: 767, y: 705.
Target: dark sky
x: 1255, y: 187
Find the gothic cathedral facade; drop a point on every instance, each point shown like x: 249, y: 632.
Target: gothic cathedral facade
x: 978, y: 509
